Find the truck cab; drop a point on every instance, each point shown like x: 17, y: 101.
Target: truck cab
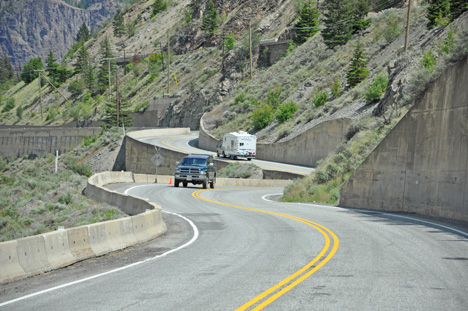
x: 196, y: 169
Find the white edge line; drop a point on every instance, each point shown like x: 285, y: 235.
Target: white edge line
x: 264, y: 198
x: 377, y: 212
x: 195, y: 237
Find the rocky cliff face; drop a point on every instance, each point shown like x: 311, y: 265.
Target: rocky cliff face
x: 30, y: 28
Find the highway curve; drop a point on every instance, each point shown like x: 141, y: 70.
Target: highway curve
x: 246, y: 252
x: 187, y: 144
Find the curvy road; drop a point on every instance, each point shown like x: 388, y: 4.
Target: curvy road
x: 240, y: 249
x: 187, y: 144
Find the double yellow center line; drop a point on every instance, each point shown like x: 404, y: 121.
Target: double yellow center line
x: 273, y: 293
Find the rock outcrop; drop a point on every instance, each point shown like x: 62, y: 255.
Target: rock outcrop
x: 30, y: 28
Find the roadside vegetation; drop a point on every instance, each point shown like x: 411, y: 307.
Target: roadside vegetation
x: 35, y: 199
x: 241, y: 170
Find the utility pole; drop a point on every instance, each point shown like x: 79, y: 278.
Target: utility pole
x: 407, y: 25
x: 117, y: 95
x: 168, y: 62
x: 162, y: 53
x: 108, y: 71
x: 109, y: 76
x: 66, y: 99
x: 40, y: 92
x: 224, y: 43
x: 125, y: 65
x: 250, y: 44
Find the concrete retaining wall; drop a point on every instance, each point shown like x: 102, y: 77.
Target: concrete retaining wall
x: 40, y: 141
x: 138, y: 154
x: 305, y: 149
x: 40, y: 253
x: 422, y: 165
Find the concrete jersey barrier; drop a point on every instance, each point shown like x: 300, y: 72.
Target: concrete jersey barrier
x: 40, y: 253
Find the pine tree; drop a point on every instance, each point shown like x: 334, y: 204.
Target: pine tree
x: 210, y: 20
x: 361, y: 8
x: 457, y: 7
x: 118, y: 23
x: 159, y: 6
x: 308, y: 22
x: 358, y: 71
x: 52, y: 66
x: 438, y: 13
x: 82, y: 58
x: 83, y: 34
x: 103, y: 73
x: 338, y: 23
x: 125, y: 115
x: 90, y: 77
x: 6, y: 69
x: 28, y: 74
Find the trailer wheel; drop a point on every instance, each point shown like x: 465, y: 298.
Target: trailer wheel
x: 248, y: 159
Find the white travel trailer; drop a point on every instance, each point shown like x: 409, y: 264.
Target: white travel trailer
x: 238, y: 145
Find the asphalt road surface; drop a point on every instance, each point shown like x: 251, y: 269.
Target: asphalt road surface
x: 237, y: 249
x: 188, y: 144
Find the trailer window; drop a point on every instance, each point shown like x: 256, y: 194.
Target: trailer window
x: 241, y: 144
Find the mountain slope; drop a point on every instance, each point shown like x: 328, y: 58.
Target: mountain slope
x: 30, y: 28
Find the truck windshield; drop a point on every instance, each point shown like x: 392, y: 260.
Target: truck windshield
x: 193, y: 162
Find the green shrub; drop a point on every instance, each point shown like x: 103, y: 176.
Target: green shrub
x: 262, y: 116
x: 142, y: 106
x: 333, y: 170
x: 10, y: 104
x: 376, y: 89
x: 87, y: 141
x: 79, y: 168
x: 77, y: 87
x: 65, y: 199
x: 321, y: 177
x: 239, y: 99
x: 429, y: 59
x: 19, y: 111
x: 155, y: 58
x: 152, y: 77
x: 391, y: 27
x: 284, y: 133
x: 229, y: 41
x: 188, y: 15
x: 320, y: 98
x: 336, y: 88
x: 286, y: 111
x: 159, y: 6
x: 274, y: 97
x: 52, y: 114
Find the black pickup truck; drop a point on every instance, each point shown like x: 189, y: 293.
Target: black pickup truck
x: 196, y: 169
